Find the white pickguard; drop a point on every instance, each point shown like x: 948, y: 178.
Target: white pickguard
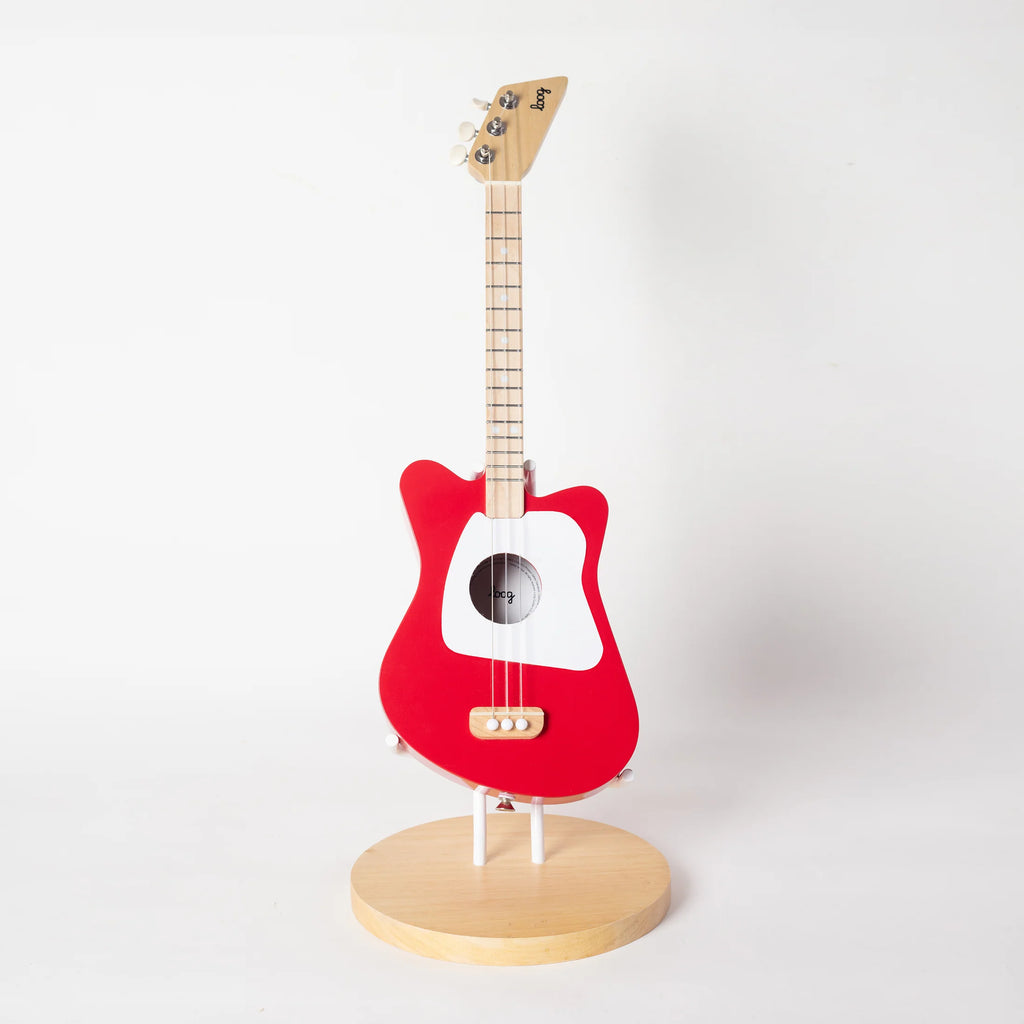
x: 560, y: 632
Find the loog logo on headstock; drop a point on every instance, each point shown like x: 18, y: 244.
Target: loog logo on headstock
x: 539, y: 105
x: 507, y: 144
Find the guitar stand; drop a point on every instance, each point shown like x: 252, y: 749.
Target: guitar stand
x: 522, y: 898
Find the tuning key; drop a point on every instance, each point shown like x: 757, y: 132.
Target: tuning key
x: 457, y: 155
x: 482, y: 104
x: 466, y: 131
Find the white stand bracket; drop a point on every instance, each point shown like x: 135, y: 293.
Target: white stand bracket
x: 537, y: 830
x: 480, y: 828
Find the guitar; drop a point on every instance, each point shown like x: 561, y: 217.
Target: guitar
x: 504, y: 672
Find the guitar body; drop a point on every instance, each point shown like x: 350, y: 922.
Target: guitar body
x: 561, y: 657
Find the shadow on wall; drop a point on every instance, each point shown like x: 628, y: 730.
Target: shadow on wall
x: 775, y: 614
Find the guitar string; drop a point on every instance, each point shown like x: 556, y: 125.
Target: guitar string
x: 488, y: 231
x: 517, y: 191
x: 512, y: 196
x: 508, y: 431
x: 508, y: 191
x: 508, y: 527
x: 493, y: 487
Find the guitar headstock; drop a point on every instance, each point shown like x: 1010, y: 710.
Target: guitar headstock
x: 514, y: 127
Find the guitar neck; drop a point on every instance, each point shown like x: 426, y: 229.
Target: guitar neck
x: 504, y: 349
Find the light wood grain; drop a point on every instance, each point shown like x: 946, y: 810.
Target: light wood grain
x: 525, y: 125
x: 479, y: 717
x: 600, y: 888
x: 503, y: 350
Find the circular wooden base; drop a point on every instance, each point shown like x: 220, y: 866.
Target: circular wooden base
x: 600, y: 888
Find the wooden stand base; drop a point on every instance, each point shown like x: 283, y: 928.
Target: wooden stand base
x: 600, y: 888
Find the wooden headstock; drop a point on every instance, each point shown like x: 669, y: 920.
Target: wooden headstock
x: 513, y: 129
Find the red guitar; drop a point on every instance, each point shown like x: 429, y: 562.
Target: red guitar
x: 504, y: 672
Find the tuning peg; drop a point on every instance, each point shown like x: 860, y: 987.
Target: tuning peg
x: 466, y: 131
x: 457, y: 155
x: 482, y: 104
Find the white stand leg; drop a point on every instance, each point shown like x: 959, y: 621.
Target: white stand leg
x: 480, y: 826
x: 537, y: 830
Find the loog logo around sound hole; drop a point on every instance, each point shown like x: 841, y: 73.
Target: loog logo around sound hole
x: 505, y: 588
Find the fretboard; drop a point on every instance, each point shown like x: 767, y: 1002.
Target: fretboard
x: 504, y: 349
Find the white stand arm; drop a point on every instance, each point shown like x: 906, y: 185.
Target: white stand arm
x: 537, y: 830
x: 480, y: 826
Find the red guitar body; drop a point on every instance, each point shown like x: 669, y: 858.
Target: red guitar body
x: 591, y: 723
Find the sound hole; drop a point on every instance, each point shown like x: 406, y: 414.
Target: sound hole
x: 505, y: 588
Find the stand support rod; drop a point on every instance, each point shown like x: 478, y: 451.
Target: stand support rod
x: 480, y: 826
x: 537, y: 830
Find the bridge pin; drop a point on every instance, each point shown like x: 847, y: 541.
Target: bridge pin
x: 522, y: 724
x: 492, y: 724
x: 506, y: 724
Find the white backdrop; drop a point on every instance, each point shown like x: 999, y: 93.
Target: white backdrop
x: 773, y: 264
